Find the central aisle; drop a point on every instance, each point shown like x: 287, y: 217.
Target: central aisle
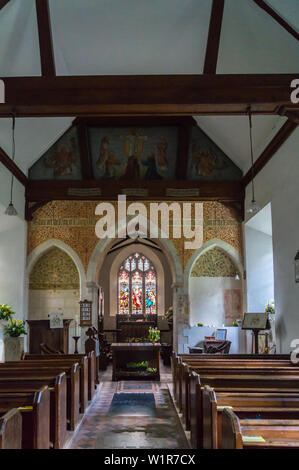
x: 130, y: 415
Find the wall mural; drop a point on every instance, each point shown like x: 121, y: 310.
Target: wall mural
x: 126, y: 153
x: 206, y: 161
x: 61, y: 161
x: 54, y: 270
x: 73, y: 222
x: 214, y: 263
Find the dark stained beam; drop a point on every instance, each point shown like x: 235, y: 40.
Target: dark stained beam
x: 262, y: 4
x: 45, y: 38
x: 30, y: 208
x: 13, y: 168
x: 40, y: 191
x: 213, y: 43
x: 86, y: 163
x: 129, y: 95
x: 282, y: 135
x: 183, y: 151
x: 3, y: 3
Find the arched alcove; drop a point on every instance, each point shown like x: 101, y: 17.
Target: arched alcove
x: 54, y: 286
x: 215, y: 285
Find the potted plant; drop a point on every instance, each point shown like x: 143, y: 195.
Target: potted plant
x: 153, y: 335
x: 14, y: 342
x: 6, y: 313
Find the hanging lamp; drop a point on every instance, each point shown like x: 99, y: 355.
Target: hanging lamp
x: 253, y: 208
x: 11, y: 210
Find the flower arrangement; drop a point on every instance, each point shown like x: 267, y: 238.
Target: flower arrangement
x: 6, y: 312
x: 15, y: 328
x: 235, y: 323
x: 270, y: 308
x: 199, y: 324
x: 154, y: 335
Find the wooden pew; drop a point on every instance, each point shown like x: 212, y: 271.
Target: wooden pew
x: 182, y: 375
x: 38, y: 369
x: 245, y: 406
x: 75, y: 358
x: 61, y: 359
x: 35, y: 410
x: 58, y: 400
x: 225, y: 383
x: 273, y: 433
x: 11, y: 429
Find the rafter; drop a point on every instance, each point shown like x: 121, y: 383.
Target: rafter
x: 213, y: 43
x: 125, y: 95
x: 282, y: 135
x: 12, y: 167
x: 262, y: 4
x: 45, y: 38
x: 3, y: 3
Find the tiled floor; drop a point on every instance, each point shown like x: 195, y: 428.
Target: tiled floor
x: 155, y: 425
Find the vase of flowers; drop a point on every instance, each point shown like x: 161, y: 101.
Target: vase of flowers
x: 14, y: 341
x: 6, y: 313
x: 153, y: 335
x: 270, y: 309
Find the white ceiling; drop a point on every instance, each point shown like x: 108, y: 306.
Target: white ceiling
x: 146, y: 37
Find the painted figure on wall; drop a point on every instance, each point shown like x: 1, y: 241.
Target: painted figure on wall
x: 62, y: 161
x: 125, y: 153
x: 204, y: 161
x: 162, y: 153
x: 107, y: 161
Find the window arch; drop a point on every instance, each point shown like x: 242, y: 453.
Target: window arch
x: 137, y: 286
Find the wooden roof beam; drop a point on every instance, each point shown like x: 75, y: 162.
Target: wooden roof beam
x: 45, y: 38
x: 210, y: 65
x: 282, y: 135
x: 3, y: 3
x: 13, y: 168
x: 262, y: 4
x: 147, y: 95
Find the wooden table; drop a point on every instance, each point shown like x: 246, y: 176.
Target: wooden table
x: 123, y: 353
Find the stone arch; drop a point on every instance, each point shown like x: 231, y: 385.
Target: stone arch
x: 228, y: 250
x: 41, y: 249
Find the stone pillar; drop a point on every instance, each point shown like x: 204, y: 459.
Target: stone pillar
x: 180, y: 317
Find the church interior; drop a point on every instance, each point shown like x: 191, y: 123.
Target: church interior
x: 149, y: 224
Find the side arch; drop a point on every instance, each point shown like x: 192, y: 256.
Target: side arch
x: 41, y: 249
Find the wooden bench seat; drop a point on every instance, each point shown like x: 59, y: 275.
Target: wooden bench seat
x: 243, y: 383
x: 11, y: 429
x: 36, y: 370
x: 58, y: 400
x: 258, y: 433
x: 244, y: 405
x: 75, y: 358
x: 35, y: 410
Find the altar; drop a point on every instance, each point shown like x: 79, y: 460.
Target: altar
x: 136, y: 361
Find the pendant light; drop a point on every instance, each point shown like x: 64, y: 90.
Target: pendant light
x: 11, y: 209
x: 253, y: 208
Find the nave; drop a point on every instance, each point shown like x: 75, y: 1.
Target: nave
x: 130, y: 415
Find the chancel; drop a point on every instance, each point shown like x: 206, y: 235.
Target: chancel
x: 149, y: 225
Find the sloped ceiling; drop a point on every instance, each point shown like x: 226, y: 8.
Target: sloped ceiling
x: 146, y: 37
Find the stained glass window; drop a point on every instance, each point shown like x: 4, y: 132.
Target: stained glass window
x: 137, y: 286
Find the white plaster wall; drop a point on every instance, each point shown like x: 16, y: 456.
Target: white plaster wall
x: 43, y: 302
x: 207, y: 299
x: 13, y: 234
x: 278, y: 183
x: 259, y: 269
